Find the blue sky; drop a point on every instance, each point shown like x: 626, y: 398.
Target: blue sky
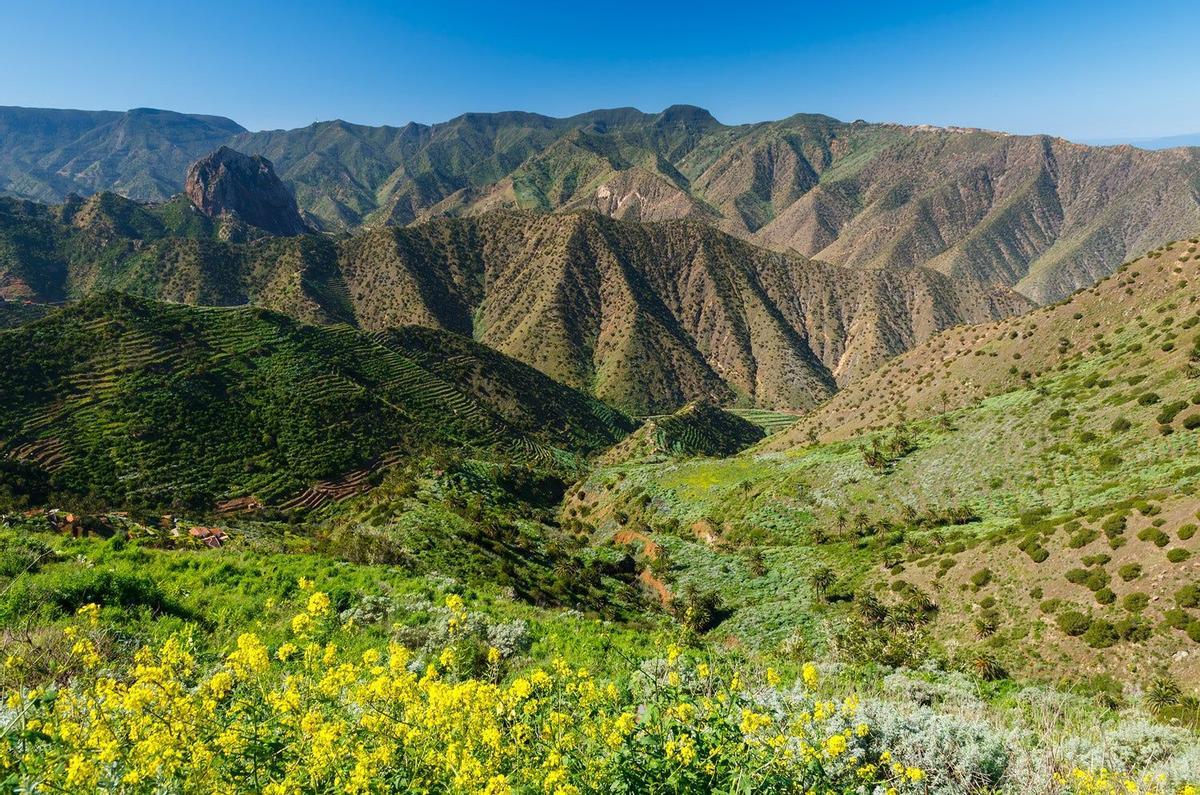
x: 1081, y: 70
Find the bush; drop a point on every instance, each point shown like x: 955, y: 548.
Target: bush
x: 956, y: 752
x: 1178, y: 555
x: 1193, y: 631
x: 1121, y: 424
x: 1130, y: 571
x: 1186, y: 532
x: 1136, y: 602
x: 1133, y: 629
x: 1074, y: 623
x: 1097, y: 579
x: 1100, y: 634
x: 23, y: 554
x: 67, y: 593
x: 981, y: 578
x: 1148, y: 399
x: 1105, y: 596
x: 1083, y: 537
x: 1166, y: 415
x: 1191, y: 422
x: 1154, y: 536
x: 1188, y: 596
x: 1176, y: 619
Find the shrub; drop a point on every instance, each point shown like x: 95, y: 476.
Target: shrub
x: 1188, y: 596
x: 1154, y: 536
x: 981, y: 578
x: 1133, y: 629
x: 1166, y: 415
x: 1193, y: 631
x: 1077, y: 576
x: 1097, y: 579
x: 23, y: 554
x: 1105, y: 596
x: 1191, y: 422
x: 1050, y: 605
x: 1074, y: 623
x: 1186, y: 532
x: 1100, y: 634
x: 1148, y: 399
x: 1121, y: 424
x: 1135, y: 602
x: 1176, y: 619
x: 1178, y: 555
x: 1129, y: 572
x: 1083, y: 537
x: 67, y: 593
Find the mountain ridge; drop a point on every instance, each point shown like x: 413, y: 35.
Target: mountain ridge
x: 1034, y: 213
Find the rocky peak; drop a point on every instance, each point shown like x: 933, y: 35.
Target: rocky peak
x: 229, y: 183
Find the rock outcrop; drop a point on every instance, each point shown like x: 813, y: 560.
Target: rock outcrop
x: 228, y: 183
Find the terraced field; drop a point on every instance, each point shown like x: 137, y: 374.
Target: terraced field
x: 129, y: 401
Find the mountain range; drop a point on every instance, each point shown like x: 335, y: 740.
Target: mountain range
x: 1038, y: 214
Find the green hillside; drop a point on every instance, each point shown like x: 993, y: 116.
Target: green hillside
x: 121, y: 401
x: 1021, y: 495
x: 697, y: 429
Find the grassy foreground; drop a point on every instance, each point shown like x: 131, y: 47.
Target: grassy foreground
x: 129, y: 668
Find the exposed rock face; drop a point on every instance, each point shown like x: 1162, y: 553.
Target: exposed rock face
x: 229, y: 183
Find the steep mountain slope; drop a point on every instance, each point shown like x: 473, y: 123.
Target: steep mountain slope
x: 130, y: 401
x: 646, y: 316
x: 967, y: 364
x: 143, y: 153
x: 1039, y: 214
x: 1040, y: 518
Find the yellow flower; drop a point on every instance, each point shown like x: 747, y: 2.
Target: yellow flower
x: 835, y: 745
x: 914, y: 773
x: 809, y: 673
x: 493, y: 655
x: 318, y: 603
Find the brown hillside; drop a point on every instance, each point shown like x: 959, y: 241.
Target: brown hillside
x: 962, y: 365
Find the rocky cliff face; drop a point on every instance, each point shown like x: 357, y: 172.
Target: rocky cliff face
x: 230, y: 184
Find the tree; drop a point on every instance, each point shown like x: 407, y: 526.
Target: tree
x: 822, y: 579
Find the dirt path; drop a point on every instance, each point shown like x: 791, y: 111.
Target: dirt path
x: 650, y: 551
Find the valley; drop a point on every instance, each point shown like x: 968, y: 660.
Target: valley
x: 624, y: 452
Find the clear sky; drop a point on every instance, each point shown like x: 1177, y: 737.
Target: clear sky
x: 1084, y: 70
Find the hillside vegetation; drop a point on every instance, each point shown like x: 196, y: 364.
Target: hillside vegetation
x: 697, y: 429
x: 125, y: 401
x: 1019, y: 497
